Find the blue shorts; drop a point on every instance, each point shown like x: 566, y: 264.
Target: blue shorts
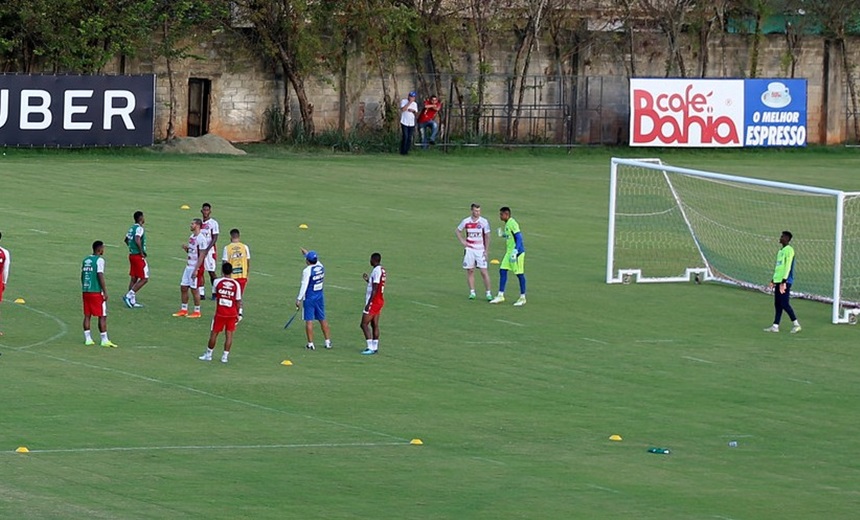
x: 313, y: 309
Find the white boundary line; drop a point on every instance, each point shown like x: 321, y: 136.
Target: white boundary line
x: 804, y: 381
x: 38, y: 231
x: 511, y: 323
x: 340, y: 287
x: 699, y: 360
x: 261, y: 274
x: 601, y: 488
x: 424, y: 304
x: 655, y: 341
x: 595, y: 341
x: 64, y: 329
x: 228, y: 447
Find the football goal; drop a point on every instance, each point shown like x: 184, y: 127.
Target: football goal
x: 670, y: 224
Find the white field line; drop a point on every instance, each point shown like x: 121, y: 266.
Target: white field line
x: 261, y: 274
x: 64, y: 329
x: 38, y: 231
x: 595, y: 341
x: 488, y: 342
x: 180, y: 259
x: 800, y: 380
x: 699, y: 360
x: 425, y: 304
x: 228, y: 447
x: 217, y: 396
x: 397, y: 210
x: 655, y: 341
x: 490, y: 460
x: 340, y: 287
x: 511, y: 323
x: 110, y: 245
x: 601, y: 488
x: 147, y: 346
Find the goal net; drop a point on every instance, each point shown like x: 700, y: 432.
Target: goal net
x: 670, y: 224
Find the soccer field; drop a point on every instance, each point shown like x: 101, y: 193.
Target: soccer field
x: 514, y: 406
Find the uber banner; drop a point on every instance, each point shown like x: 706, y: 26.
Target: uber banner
x: 74, y: 111
x: 717, y: 112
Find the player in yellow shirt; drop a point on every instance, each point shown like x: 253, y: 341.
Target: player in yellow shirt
x: 238, y: 255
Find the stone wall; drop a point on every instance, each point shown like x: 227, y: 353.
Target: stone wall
x: 243, y: 87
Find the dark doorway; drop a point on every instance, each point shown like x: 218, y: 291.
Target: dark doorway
x: 198, y: 106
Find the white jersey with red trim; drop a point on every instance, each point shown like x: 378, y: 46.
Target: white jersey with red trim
x: 195, y: 243
x: 376, y: 276
x: 475, y: 231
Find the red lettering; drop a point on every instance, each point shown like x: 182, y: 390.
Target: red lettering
x: 670, y: 118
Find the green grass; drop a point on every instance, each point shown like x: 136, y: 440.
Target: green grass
x: 515, y: 406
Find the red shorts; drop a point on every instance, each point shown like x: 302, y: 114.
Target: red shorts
x: 2, y: 286
x: 242, y: 282
x: 94, y: 304
x: 201, y: 282
x: 138, y: 268
x: 222, y: 323
x: 375, y: 307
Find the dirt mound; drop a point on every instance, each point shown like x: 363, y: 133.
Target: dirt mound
x: 209, y: 143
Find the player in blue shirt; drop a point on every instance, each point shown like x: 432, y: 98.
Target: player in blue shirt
x: 311, y: 298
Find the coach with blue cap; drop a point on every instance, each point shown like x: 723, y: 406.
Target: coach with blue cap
x: 408, y: 113
x: 311, y: 299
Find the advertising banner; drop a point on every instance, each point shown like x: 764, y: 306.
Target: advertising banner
x: 717, y: 112
x: 76, y: 111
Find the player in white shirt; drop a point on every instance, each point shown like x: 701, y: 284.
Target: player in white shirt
x: 474, y: 233
x: 211, y: 231
x: 195, y: 248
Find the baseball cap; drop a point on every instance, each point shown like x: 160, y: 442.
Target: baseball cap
x: 413, y: 94
x: 311, y: 256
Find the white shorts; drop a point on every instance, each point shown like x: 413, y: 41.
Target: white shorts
x: 189, y: 277
x: 474, y: 258
x: 209, y: 263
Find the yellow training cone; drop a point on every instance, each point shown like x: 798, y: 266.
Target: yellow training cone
x: 20, y: 300
x: 22, y: 449
x: 287, y: 363
x: 185, y: 206
x: 416, y: 442
x: 615, y: 437
x: 303, y: 226
x: 494, y: 261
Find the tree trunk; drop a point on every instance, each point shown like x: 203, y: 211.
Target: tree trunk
x: 171, y: 113
x: 756, y: 46
x: 341, y: 87
x: 851, y: 81
x: 306, y: 108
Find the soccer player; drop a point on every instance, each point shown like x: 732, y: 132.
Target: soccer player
x: 238, y: 255
x: 311, y: 298
x: 373, y: 303
x: 228, y: 298
x: 94, y: 294
x: 195, y: 248
x: 476, y: 243
x: 138, y: 270
x: 5, y: 260
x: 515, y: 257
x: 210, y: 230
x: 783, y: 277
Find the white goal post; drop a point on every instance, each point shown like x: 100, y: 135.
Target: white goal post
x: 671, y: 224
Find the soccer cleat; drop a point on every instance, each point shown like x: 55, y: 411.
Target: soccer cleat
x: 772, y: 328
x: 128, y: 302
x: 109, y: 343
x: 520, y: 302
x: 498, y: 299
x: 213, y: 297
x: 207, y: 356
x: 181, y: 313
x: 238, y: 319
x: 89, y: 342
x: 310, y: 346
x: 796, y: 329
x: 195, y: 314
x: 328, y: 347
x: 472, y: 296
x: 136, y: 305
x: 489, y: 297
x: 224, y: 358
x: 368, y: 352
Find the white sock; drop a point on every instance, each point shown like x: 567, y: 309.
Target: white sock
x: 196, y: 308
x: 472, y: 292
x: 795, y: 323
x: 489, y: 293
x: 129, y: 294
x: 375, y: 343
x: 328, y: 343
x: 500, y: 295
x: 370, y: 344
x: 103, y: 335
x: 201, y: 291
x: 184, y: 307
x: 225, y: 354
x: 311, y: 344
x: 88, y: 336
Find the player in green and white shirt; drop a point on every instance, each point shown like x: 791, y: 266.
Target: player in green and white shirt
x: 138, y: 267
x: 515, y: 257
x: 94, y: 294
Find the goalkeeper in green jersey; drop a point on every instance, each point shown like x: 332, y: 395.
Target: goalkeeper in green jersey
x: 515, y: 257
x: 783, y: 277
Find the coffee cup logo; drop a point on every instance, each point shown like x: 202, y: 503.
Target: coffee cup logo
x: 777, y: 95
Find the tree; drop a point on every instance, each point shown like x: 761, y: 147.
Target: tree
x: 528, y: 37
x: 670, y: 17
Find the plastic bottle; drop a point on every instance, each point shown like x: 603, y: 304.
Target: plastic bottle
x: 659, y: 451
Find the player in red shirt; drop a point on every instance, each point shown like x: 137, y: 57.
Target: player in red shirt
x: 373, y: 303
x: 228, y: 296
x: 5, y: 260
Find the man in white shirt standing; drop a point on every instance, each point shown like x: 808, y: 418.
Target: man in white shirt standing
x: 210, y: 230
x: 474, y: 233
x: 408, y: 111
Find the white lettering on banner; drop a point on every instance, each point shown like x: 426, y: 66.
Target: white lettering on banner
x: 124, y: 112
x: 780, y: 117
x: 35, y: 109
x: 42, y: 109
x: 686, y: 113
x: 784, y: 135
x: 70, y: 109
